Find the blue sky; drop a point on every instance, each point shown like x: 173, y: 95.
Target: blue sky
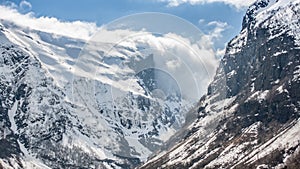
x: 103, y: 12
x: 199, y: 12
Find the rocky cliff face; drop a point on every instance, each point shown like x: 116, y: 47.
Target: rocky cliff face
x: 253, y: 121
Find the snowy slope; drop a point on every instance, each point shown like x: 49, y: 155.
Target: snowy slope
x: 57, y: 113
x: 40, y: 119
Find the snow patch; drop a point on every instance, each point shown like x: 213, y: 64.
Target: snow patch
x: 11, y: 115
x: 258, y: 95
x: 142, y: 150
x: 296, y: 74
x: 280, y: 53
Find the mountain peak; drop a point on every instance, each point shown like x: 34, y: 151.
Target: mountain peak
x: 265, y: 8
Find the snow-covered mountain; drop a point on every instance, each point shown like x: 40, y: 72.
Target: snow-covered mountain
x: 115, y: 108
x: 253, y: 121
x: 57, y: 112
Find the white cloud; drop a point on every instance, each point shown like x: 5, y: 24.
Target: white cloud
x: 236, y: 3
x: 217, y: 24
x: 201, y: 21
x: 76, y: 29
x: 214, y: 31
x: 217, y: 29
x: 190, y: 64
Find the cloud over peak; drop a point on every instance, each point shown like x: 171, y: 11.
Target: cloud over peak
x: 76, y: 29
x: 236, y: 3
